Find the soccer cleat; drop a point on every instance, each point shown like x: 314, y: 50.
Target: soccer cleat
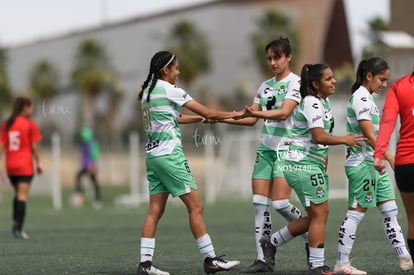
x: 76, y: 200
x: 20, y: 234
x: 256, y: 267
x: 269, y: 250
x: 347, y: 268
x: 97, y: 205
x: 406, y: 263
x: 307, y: 253
x: 147, y: 268
x: 322, y: 270
x: 216, y: 264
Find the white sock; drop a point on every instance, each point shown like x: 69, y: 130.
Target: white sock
x: 347, y: 234
x: 286, y: 209
x: 262, y: 221
x: 289, y: 212
x: 205, y: 245
x: 281, y: 237
x: 147, y: 249
x: 392, y: 228
x: 316, y: 257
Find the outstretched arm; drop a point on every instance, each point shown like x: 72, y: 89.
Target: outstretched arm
x: 245, y: 120
x: 321, y: 137
x: 185, y: 119
x: 280, y: 114
x: 208, y: 113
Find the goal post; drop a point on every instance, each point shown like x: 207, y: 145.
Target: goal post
x: 138, y: 192
x: 49, y: 182
x: 56, y: 183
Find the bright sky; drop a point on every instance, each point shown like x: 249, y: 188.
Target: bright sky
x: 26, y: 20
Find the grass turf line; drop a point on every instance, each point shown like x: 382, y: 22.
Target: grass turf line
x: 106, y: 241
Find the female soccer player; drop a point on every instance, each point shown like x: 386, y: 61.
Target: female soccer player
x: 366, y: 188
x: 89, y: 167
x: 306, y: 165
x: 167, y: 168
x: 19, y: 137
x: 275, y: 101
x: 400, y: 101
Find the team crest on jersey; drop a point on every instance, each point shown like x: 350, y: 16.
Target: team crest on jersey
x: 369, y: 197
x: 281, y: 90
x: 319, y: 192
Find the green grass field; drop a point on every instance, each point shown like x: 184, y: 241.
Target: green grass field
x: 106, y: 241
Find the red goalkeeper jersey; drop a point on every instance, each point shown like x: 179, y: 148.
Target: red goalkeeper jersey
x: 399, y: 101
x: 17, y: 143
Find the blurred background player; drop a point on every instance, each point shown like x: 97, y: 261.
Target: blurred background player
x: 89, y: 167
x: 19, y: 138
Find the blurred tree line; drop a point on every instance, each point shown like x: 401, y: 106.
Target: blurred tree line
x: 94, y: 76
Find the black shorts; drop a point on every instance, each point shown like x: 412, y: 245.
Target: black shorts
x: 404, y: 177
x: 18, y: 179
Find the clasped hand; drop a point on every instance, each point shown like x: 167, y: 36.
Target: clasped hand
x: 246, y: 112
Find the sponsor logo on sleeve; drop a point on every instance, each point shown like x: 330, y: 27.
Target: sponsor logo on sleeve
x: 318, y: 117
x: 364, y: 110
x: 296, y: 94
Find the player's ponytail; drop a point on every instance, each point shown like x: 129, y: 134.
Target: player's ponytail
x: 373, y: 65
x: 158, y: 62
x: 360, y: 75
x: 144, y: 85
x: 18, y: 106
x: 309, y: 74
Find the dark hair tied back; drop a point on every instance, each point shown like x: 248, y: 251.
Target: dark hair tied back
x: 309, y: 74
x: 158, y: 62
x: 373, y: 65
x: 18, y: 106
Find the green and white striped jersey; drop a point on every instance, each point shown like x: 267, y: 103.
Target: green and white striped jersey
x: 312, y: 112
x: 160, y: 116
x: 276, y: 134
x: 361, y: 106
